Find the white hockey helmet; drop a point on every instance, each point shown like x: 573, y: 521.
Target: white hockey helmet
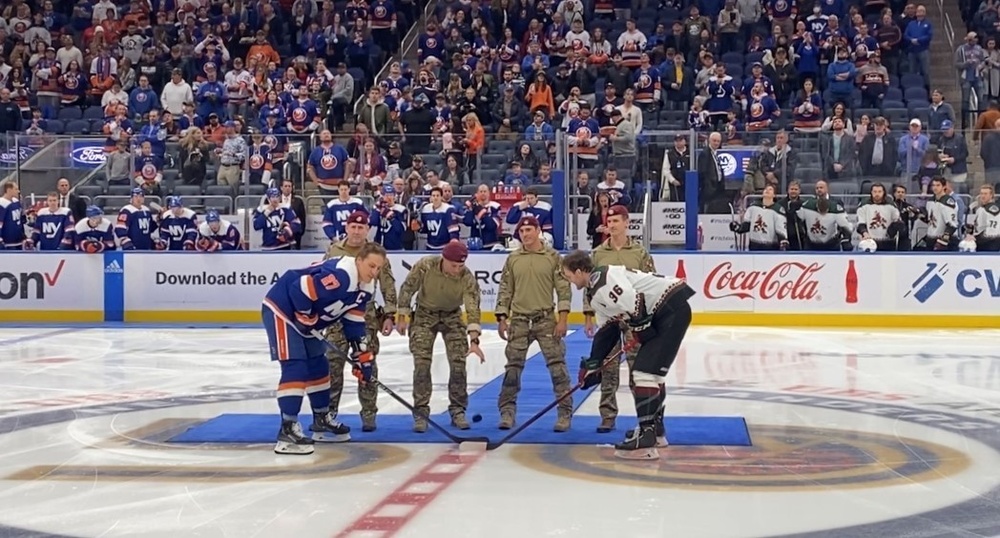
x: 867, y: 245
x: 967, y: 245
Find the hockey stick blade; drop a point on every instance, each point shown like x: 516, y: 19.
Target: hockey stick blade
x: 493, y: 445
x: 484, y: 441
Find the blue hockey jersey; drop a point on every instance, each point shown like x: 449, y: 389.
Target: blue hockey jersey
x: 227, y: 238
x: 390, y: 225
x: 102, y: 234
x: 279, y: 227
x: 484, y: 222
x: 318, y: 296
x: 179, y: 231
x: 53, y: 230
x: 439, y: 223
x: 336, y: 213
x: 541, y: 211
x: 12, y: 221
x: 135, y: 228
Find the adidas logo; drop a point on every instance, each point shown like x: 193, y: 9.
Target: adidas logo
x: 114, y: 267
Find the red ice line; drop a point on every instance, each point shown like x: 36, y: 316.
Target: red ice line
x: 406, y: 501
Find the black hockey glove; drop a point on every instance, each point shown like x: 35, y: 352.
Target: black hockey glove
x: 590, y: 372
x: 641, y: 325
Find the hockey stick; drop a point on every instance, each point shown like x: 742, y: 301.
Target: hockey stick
x: 454, y: 438
x: 493, y: 445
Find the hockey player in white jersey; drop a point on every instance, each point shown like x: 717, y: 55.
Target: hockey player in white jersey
x: 879, y: 219
x: 766, y: 223
x: 655, y: 309
x: 986, y: 226
x: 825, y: 220
x: 942, y: 219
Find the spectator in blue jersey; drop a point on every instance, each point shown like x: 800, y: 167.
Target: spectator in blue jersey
x: 438, y: 221
x: 52, y: 227
x: 918, y: 35
x: 143, y: 99
x: 329, y: 164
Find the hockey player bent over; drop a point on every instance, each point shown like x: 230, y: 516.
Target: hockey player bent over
x: 306, y: 300
x: 657, y: 312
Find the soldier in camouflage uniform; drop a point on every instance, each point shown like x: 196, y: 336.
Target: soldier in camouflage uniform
x: 618, y: 249
x: 376, y: 318
x: 444, y: 284
x: 525, y: 313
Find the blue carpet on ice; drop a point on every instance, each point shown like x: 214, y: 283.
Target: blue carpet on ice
x: 536, y: 393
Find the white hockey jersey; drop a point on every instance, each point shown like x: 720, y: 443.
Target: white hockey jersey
x: 987, y: 223
x: 875, y: 219
x: 942, y: 216
x: 824, y: 228
x: 766, y: 225
x: 616, y: 292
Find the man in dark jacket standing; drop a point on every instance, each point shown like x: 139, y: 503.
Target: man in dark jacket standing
x: 11, y: 120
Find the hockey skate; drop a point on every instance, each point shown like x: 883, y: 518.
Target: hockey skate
x: 661, y: 431
x: 291, y: 440
x: 639, y: 444
x: 326, y: 429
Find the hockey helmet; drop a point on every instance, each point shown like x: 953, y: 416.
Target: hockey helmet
x: 967, y: 245
x: 867, y: 245
x: 474, y: 243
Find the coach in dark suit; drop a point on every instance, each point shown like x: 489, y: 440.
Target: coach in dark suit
x: 77, y: 205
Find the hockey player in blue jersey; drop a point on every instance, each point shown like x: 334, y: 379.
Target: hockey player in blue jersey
x: 135, y: 226
x: 277, y: 222
x: 53, y: 226
x: 217, y: 234
x: 178, y: 225
x: 95, y: 234
x: 312, y: 299
x: 482, y: 216
x: 439, y: 221
x: 12, y: 218
x: 534, y: 207
x: 338, y: 209
x: 389, y: 220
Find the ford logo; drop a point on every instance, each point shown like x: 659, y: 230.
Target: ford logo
x: 10, y: 157
x: 89, y: 155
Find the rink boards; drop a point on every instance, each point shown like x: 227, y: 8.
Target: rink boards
x: 794, y: 289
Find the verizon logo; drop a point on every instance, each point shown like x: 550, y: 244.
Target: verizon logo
x: 29, y: 285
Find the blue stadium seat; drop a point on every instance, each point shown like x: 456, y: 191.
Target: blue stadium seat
x: 70, y: 113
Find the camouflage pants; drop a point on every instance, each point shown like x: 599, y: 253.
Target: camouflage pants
x: 610, y: 380
x: 367, y: 394
x: 521, y: 333
x: 424, y: 329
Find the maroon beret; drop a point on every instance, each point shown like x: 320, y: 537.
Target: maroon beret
x: 528, y: 220
x: 358, y: 217
x: 456, y: 251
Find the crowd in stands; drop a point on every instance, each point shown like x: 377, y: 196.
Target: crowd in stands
x: 195, y: 93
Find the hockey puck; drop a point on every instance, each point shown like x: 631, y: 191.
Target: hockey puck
x: 477, y: 418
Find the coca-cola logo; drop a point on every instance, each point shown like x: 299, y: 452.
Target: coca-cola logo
x: 787, y: 281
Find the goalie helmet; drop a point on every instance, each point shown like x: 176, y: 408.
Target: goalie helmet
x: 867, y: 245
x: 967, y: 245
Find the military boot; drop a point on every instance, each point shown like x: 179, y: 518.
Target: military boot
x: 607, y: 425
x: 420, y: 424
x: 562, y: 422
x: 458, y: 420
x: 506, y: 419
x: 368, y: 423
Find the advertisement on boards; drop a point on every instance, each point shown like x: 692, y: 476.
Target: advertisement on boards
x: 949, y: 284
x: 776, y: 283
x: 87, y: 154
x: 71, y: 281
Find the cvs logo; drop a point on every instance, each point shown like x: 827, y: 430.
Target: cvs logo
x: 970, y: 282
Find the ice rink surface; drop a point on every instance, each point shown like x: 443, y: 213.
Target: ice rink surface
x: 856, y: 434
